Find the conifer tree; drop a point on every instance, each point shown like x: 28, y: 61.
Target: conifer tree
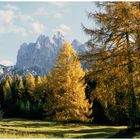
x: 20, y: 88
x: 7, y: 91
x: 38, y: 81
x: 9, y: 79
x: 38, y: 88
x: 42, y: 90
x: 66, y: 100
x: 30, y: 86
x: 1, y: 93
x: 117, y: 60
x: 29, y: 92
x: 14, y: 87
x: 44, y: 79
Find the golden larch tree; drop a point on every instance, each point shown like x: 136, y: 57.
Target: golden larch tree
x: 38, y: 81
x: 66, y: 100
x: 7, y: 91
x: 30, y: 86
x: 117, y: 61
x: 20, y: 88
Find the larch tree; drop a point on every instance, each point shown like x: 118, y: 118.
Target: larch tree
x: 20, y: 89
x: 38, y: 88
x: 116, y: 38
x: 66, y: 99
x: 44, y: 79
x: 10, y: 80
x: 43, y: 89
x: 7, y: 91
x: 14, y: 86
x: 30, y: 86
x: 38, y: 81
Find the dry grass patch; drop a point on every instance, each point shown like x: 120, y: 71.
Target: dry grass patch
x: 22, y: 128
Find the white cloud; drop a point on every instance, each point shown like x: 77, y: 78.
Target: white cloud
x: 63, y: 29
x: 19, y: 30
x: 7, y: 25
x: 37, y: 27
x: 59, y: 4
x: 11, y: 7
x: 46, y: 13
x: 25, y: 18
x: 58, y: 15
x: 52, y: 10
x: 6, y: 16
x: 6, y: 62
x: 42, y: 12
x: 11, y: 28
x: 17, y: 22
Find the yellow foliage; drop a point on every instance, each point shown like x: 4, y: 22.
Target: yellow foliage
x: 67, y: 100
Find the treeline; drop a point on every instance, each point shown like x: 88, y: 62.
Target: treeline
x: 68, y: 94
x: 23, y: 96
x: 60, y: 96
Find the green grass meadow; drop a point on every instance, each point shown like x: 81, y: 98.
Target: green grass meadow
x: 22, y: 128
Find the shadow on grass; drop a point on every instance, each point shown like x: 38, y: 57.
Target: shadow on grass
x: 127, y: 133
x: 84, y: 133
x: 99, y: 135
x: 34, y: 124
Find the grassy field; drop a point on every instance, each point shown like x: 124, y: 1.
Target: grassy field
x: 22, y: 128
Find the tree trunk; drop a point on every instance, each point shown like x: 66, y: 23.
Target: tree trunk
x: 131, y: 93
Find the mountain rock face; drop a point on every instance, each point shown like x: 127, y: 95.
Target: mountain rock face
x: 12, y: 70
x: 5, y: 70
x: 41, y: 55
x: 2, y: 69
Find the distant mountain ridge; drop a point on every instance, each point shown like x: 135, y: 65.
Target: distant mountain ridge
x: 39, y: 58
x: 42, y: 54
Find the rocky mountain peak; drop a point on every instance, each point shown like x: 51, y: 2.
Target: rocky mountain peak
x: 58, y: 39
x: 41, y: 38
x: 42, y: 54
x: 75, y: 42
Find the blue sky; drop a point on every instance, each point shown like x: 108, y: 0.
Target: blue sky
x: 25, y: 21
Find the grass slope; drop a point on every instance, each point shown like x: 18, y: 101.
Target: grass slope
x: 22, y: 128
